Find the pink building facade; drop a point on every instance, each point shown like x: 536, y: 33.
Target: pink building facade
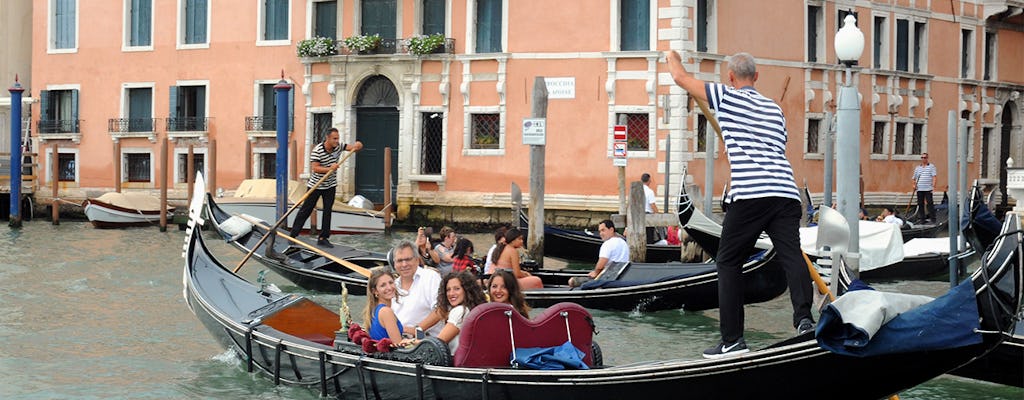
x: 115, y: 79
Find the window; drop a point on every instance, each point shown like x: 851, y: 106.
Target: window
x: 488, y: 26
x: 900, y: 142
x: 986, y: 138
x: 637, y: 131
x: 917, y: 139
x: 187, y: 109
x: 878, y: 138
x: 920, y: 46
x: 841, y: 16
x: 268, y: 165
x: 139, y: 31
x: 902, y: 45
x: 635, y: 25
x: 140, y: 110
x: 325, y: 19
x: 380, y: 17
x: 195, y: 24
x: 815, y: 33
x: 702, y: 25
x: 321, y: 123
x: 880, y: 43
x: 990, y: 56
x: 433, y: 17
x: 58, y: 111
x: 268, y: 108
x: 66, y: 167
x: 139, y: 167
x: 199, y: 165
x: 813, y: 135
x: 275, y: 20
x: 63, y: 24
x: 486, y: 131
x: 702, y: 133
x: 430, y: 145
x: 966, y: 53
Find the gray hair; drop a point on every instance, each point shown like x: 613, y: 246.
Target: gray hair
x: 743, y: 65
x: 405, y: 244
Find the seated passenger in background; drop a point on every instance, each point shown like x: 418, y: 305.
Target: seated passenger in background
x: 499, y: 238
x: 379, y: 317
x: 463, y: 256
x: 888, y: 216
x: 508, y: 258
x: 613, y: 249
x: 503, y: 287
x: 459, y: 294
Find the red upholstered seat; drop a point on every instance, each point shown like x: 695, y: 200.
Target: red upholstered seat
x: 484, y: 339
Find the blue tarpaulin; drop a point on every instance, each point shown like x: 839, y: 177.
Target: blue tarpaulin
x: 947, y: 322
x: 565, y: 356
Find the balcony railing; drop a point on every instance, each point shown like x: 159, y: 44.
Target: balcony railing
x: 262, y: 123
x: 58, y: 126
x: 188, y: 124
x: 131, y: 125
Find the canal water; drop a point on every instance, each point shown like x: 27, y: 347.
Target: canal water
x: 88, y: 313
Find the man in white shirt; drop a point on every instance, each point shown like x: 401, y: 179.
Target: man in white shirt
x: 889, y: 217
x: 417, y: 288
x: 650, y: 207
x: 613, y: 250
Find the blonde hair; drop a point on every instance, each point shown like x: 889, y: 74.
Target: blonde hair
x: 371, y: 298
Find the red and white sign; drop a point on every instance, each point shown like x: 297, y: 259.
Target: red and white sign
x: 619, y: 149
x: 620, y: 133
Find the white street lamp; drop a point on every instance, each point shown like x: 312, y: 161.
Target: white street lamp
x: 849, y: 44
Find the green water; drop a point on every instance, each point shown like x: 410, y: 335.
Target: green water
x: 90, y: 314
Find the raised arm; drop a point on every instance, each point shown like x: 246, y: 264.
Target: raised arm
x: 692, y: 85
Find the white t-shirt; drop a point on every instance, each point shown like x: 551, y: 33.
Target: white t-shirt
x: 649, y: 198
x: 489, y: 264
x: 892, y: 219
x: 413, y: 306
x: 455, y: 317
x: 615, y: 250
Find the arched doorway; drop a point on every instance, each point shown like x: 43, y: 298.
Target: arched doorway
x: 1004, y: 147
x: 377, y: 127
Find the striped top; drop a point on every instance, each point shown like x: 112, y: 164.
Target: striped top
x: 755, y: 137
x: 325, y: 159
x: 924, y: 175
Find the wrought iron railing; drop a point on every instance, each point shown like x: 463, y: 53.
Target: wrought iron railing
x: 395, y: 46
x: 58, y: 125
x: 123, y: 125
x: 264, y: 123
x: 188, y: 124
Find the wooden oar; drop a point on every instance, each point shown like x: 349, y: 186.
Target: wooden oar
x: 348, y: 264
x: 911, y: 200
x: 285, y: 216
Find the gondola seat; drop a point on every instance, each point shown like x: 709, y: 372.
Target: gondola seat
x: 485, y: 340
x: 306, y: 320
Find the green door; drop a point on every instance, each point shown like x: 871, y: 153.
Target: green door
x: 377, y: 128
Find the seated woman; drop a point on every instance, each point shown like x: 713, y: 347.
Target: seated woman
x: 507, y: 256
x: 379, y: 317
x: 504, y: 288
x: 458, y: 295
x: 463, y: 256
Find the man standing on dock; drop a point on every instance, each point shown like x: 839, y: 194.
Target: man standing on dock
x: 762, y: 197
x: 924, y: 183
x: 650, y: 207
x: 323, y: 160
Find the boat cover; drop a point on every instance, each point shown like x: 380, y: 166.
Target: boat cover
x: 881, y: 244
x: 133, y: 201
x: 267, y: 189
x: 565, y: 356
x: 864, y: 323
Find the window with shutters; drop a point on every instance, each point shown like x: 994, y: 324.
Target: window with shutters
x: 187, y: 111
x: 920, y: 55
x: 379, y: 17
x: 902, y: 44
x: 181, y: 162
x: 433, y: 17
x: 325, y: 19
x: 138, y: 23
x: 58, y: 111
x: 138, y: 167
x: 140, y: 109
x: 63, y: 29
x: 274, y: 20
x: 194, y: 23
x: 266, y: 111
x: 489, y: 16
x: 635, y: 25
x: 815, y: 33
x: 704, y: 26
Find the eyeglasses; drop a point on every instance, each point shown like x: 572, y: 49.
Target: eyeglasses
x: 404, y: 260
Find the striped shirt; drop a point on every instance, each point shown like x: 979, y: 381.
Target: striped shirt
x: 924, y: 175
x: 755, y: 137
x: 325, y: 159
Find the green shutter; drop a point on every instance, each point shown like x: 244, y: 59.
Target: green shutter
x: 195, y: 21
x: 635, y: 25
x: 379, y: 17
x: 44, y: 106
x: 488, y: 25
x: 201, y: 103
x: 326, y: 19
x: 433, y: 17
x: 74, y: 110
x: 275, y: 20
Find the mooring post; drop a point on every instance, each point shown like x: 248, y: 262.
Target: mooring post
x: 16, y: 158
x: 211, y: 166
x: 117, y: 165
x: 387, y: 189
x: 190, y: 171
x: 55, y: 184
x: 954, y: 211
x: 535, y: 241
x: 163, y: 185
x: 281, y: 173
x: 636, y: 223
x: 248, y: 159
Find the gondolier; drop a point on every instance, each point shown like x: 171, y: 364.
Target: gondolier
x: 323, y: 160
x: 924, y: 184
x: 762, y: 196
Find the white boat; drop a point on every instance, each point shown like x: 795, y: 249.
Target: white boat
x: 256, y: 197
x: 116, y: 210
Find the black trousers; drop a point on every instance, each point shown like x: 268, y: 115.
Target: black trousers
x: 746, y: 219
x: 925, y: 204
x: 307, y: 208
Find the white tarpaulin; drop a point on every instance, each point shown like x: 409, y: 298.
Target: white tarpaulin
x: 881, y: 244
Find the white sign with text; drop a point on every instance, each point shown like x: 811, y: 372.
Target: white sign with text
x: 561, y: 88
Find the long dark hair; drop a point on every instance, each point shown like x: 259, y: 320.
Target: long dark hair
x: 474, y: 294
x: 510, y: 235
x: 463, y: 248
x: 515, y: 294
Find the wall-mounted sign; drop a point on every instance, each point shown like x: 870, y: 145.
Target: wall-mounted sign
x: 534, y: 131
x: 561, y: 88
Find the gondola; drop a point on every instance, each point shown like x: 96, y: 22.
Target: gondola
x: 636, y: 286
x: 306, y: 268
x: 585, y: 245
x: 292, y: 340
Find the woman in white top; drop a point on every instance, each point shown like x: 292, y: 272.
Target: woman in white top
x: 459, y: 294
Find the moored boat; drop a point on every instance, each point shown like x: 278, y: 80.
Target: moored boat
x: 117, y: 210
x: 256, y: 197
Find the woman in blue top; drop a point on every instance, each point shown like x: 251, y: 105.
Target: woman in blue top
x: 379, y: 317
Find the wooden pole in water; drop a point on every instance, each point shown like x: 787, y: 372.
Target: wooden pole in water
x: 535, y: 241
x: 190, y: 174
x: 117, y: 165
x: 163, y: 186
x: 248, y: 159
x: 387, y: 189
x: 211, y: 166
x: 636, y: 223
x: 54, y: 182
x: 293, y: 161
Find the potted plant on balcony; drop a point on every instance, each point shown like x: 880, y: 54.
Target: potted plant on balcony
x: 317, y: 47
x: 426, y: 44
x: 362, y: 43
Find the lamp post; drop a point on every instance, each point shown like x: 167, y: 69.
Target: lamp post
x: 849, y: 44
